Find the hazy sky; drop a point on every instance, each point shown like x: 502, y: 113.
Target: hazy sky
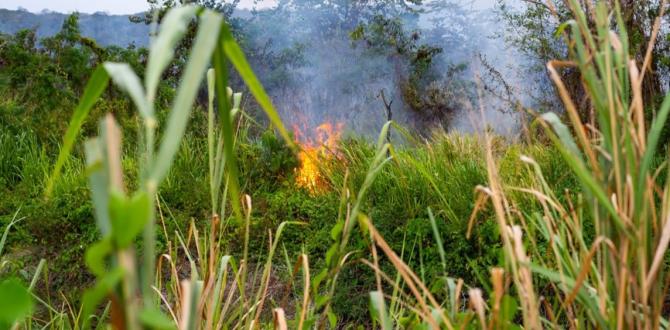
x: 91, y: 6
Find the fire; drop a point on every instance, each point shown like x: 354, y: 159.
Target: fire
x: 321, y: 147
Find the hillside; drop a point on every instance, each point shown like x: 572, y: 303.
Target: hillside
x: 106, y: 29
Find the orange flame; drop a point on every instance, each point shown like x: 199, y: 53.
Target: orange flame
x: 321, y: 147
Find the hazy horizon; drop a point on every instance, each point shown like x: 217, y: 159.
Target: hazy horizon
x: 115, y: 7
x: 125, y: 7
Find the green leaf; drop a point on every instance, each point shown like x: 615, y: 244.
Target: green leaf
x: 203, y: 46
x: 378, y: 307
x: 152, y: 318
x: 574, y: 159
x: 508, y: 309
x: 125, y: 78
x: 332, y: 319
x: 336, y: 230
x: 6, y: 232
x: 568, y: 284
x: 98, y: 181
x: 96, y: 85
x: 227, y: 132
x: 16, y: 302
x: 128, y: 216
x: 330, y: 253
x: 563, y: 133
x: 93, y: 296
x: 237, y: 58
x: 653, y: 137
x: 173, y: 27
x: 562, y: 28
x: 438, y: 240
x: 316, y: 281
x: 321, y: 301
x: 383, y: 134
x: 96, y: 255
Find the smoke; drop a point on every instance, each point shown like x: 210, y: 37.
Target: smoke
x: 303, y: 53
x: 339, y: 80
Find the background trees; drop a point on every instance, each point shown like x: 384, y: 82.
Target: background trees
x: 315, y: 57
x: 533, y: 29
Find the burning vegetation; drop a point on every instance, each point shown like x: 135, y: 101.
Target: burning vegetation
x: 316, y: 148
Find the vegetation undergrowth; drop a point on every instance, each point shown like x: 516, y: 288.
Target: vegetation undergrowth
x: 212, y: 231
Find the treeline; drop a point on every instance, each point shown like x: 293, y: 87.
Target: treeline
x: 317, y: 60
x: 332, y: 60
x: 105, y: 29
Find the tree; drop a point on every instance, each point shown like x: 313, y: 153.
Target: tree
x: 47, y: 75
x: 533, y: 31
x: 426, y: 89
x: 159, y: 8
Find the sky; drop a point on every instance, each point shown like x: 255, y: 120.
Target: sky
x: 91, y: 6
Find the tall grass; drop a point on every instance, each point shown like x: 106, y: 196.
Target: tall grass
x: 562, y: 274
x: 614, y: 277
x: 122, y: 216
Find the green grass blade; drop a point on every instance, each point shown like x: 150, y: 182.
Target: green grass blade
x: 98, y: 182
x: 125, y: 78
x: 567, y: 147
x: 568, y: 284
x: 38, y: 272
x: 229, y: 161
x: 3, y: 240
x: 653, y: 138
x: 204, y: 44
x: 237, y: 58
x: 210, y: 135
x: 563, y: 133
x: 381, y: 139
x: 96, y: 85
x: 438, y: 240
x: 379, y: 307
x: 174, y: 26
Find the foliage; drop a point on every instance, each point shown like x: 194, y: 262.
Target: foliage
x: 45, y: 76
x: 420, y: 77
x: 536, y: 29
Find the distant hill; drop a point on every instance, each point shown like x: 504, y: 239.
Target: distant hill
x: 105, y: 29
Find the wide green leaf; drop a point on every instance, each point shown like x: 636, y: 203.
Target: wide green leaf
x: 96, y: 255
x: 152, y: 318
x: 125, y: 78
x: 128, y: 216
x: 172, y: 30
x: 15, y: 301
x: 205, y: 41
x: 98, y: 182
x: 378, y: 309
